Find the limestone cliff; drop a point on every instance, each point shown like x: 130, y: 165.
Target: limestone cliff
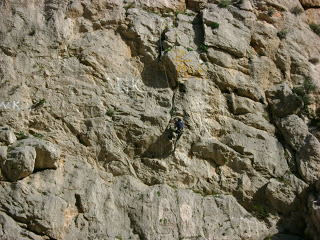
x: 88, y: 90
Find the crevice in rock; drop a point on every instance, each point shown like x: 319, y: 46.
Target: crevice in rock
x: 198, y: 29
x: 25, y: 223
x: 135, y: 230
x: 79, y: 203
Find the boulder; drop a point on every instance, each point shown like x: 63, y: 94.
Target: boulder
x: 7, y: 136
x: 241, y: 105
x: 47, y: 152
x: 223, y: 37
x: 308, y: 159
x: 214, y: 150
x: 283, y: 101
x: 310, y: 3
x: 287, y: 193
x: 257, y: 120
x: 176, y: 5
x: 182, y: 64
x: 265, y: 151
x: 10, y: 229
x: 20, y: 163
x: 264, y: 39
x: 294, y: 131
x: 307, y: 147
x: 3, y: 158
x: 313, y: 15
x: 314, y: 219
x: 197, y: 4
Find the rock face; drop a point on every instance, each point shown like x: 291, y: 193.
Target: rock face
x: 88, y: 90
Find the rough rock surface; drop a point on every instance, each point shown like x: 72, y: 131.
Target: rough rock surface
x: 7, y: 135
x: 19, y: 163
x: 97, y: 83
x: 310, y: 3
x: 47, y: 153
x: 307, y: 147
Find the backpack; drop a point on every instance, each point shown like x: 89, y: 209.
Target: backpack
x: 180, y: 124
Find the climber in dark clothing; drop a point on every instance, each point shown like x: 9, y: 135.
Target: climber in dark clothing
x: 180, y: 125
x: 176, y: 128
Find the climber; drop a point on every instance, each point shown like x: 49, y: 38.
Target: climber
x: 176, y: 128
x: 180, y: 125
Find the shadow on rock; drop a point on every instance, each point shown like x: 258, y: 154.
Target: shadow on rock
x: 161, y: 148
x: 153, y: 76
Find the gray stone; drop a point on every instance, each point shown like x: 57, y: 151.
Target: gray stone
x: 308, y: 159
x: 197, y: 4
x: 265, y: 152
x: 310, y: 3
x: 7, y: 135
x: 10, y: 229
x: 213, y: 150
x: 287, y: 193
x: 282, y: 101
x: 258, y: 121
x: 297, y: 135
x: 3, y: 158
x: 222, y: 37
x: 47, y: 152
x: 294, y: 130
x: 241, y: 105
x: 20, y: 163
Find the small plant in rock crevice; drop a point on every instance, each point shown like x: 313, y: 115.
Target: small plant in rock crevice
x: 168, y: 50
x: 271, y: 11
x: 38, y: 135
x: 224, y: 3
x: 282, y: 34
x: 21, y: 135
x: 314, y: 60
x: 303, y: 92
x: 297, y: 10
x: 39, y: 104
x: 260, y: 211
x: 130, y: 5
x: 315, y: 28
x: 184, y: 13
x: 203, y: 48
x: 32, y: 32
x: 172, y: 186
x: 110, y: 112
x: 215, y: 25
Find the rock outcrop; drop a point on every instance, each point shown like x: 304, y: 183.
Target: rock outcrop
x: 88, y: 90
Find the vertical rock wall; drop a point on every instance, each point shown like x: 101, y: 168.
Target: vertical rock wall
x: 88, y: 89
